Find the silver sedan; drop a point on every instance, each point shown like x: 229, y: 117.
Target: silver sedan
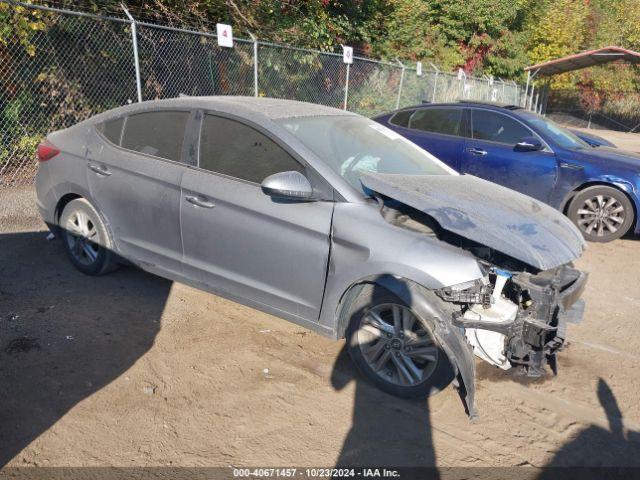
x: 324, y: 218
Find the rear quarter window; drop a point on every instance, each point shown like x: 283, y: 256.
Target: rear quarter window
x: 112, y: 130
x: 401, y: 119
x: 447, y: 121
x: 159, y: 133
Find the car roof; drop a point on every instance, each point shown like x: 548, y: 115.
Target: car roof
x: 257, y: 109
x: 461, y: 103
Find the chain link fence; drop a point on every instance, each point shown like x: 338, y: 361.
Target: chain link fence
x: 76, y: 65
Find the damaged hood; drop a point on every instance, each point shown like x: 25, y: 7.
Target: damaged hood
x: 487, y: 213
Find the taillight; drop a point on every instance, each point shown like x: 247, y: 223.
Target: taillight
x: 47, y: 150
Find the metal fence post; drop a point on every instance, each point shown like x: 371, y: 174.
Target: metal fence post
x: 346, y: 88
x: 435, y: 82
x: 533, y: 89
x: 401, y: 81
x: 136, y: 60
x: 255, y: 64
x: 526, y: 88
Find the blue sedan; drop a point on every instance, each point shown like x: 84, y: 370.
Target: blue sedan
x: 597, y: 188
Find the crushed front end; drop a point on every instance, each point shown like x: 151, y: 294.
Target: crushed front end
x: 519, y: 319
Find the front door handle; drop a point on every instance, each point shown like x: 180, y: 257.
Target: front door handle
x: 199, y: 202
x: 99, y: 169
x: 476, y: 151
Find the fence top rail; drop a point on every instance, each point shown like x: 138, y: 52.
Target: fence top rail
x: 299, y: 49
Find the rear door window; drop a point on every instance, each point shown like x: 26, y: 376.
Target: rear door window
x: 496, y: 127
x: 159, y: 133
x: 401, y: 119
x: 446, y: 121
x: 238, y: 150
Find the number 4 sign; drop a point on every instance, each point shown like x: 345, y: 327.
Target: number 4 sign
x: 347, y: 54
x: 225, y: 35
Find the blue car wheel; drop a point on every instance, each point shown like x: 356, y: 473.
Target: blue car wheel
x: 601, y: 213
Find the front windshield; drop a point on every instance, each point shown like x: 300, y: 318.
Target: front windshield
x: 351, y: 145
x: 555, y: 132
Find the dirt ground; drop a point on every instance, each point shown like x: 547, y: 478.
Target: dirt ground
x: 133, y: 370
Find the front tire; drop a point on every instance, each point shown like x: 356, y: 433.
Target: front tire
x: 601, y: 213
x: 86, y: 239
x: 393, y: 347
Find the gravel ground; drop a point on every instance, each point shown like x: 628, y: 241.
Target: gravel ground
x: 134, y: 370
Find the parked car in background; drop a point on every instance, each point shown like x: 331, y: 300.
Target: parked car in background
x: 324, y: 218
x: 597, y: 188
x: 592, y: 139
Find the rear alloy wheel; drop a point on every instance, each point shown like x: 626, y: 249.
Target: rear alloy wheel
x: 85, y: 238
x: 394, y: 348
x: 602, y: 214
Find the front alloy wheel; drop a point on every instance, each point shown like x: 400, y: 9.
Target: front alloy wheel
x: 602, y: 214
x: 394, y: 348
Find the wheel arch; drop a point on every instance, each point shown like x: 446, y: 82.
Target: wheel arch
x: 62, y: 203
x: 74, y: 194
x: 618, y: 185
x: 392, y: 283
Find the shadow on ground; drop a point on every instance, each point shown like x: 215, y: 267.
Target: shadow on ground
x: 386, y: 431
x: 64, y: 335
x: 599, y: 447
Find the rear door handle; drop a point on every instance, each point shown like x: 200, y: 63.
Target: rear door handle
x: 476, y: 151
x: 572, y: 166
x: 99, y: 169
x: 199, y: 202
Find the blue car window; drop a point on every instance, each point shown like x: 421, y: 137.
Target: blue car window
x: 437, y: 120
x: 496, y: 127
x: 555, y: 132
x: 401, y: 119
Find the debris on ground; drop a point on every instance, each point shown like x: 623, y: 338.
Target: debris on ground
x: 149, y: 389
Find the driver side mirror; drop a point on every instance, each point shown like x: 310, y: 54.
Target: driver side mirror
x: 529, y: 144
x: 288, y: 186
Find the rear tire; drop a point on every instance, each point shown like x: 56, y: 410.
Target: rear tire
x: 86, y: 238
x: 601, y: 213
x: 393, y: 347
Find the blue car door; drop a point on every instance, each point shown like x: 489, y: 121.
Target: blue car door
x: 491, y: 153
x: 438, y: 130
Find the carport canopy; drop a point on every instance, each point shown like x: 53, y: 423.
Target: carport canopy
x: 583, y: 60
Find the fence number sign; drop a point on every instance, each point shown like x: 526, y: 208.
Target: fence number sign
x: 461, y: 74
x: 225, y: 35
x: 419, y: 68
x: 347, y: 54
